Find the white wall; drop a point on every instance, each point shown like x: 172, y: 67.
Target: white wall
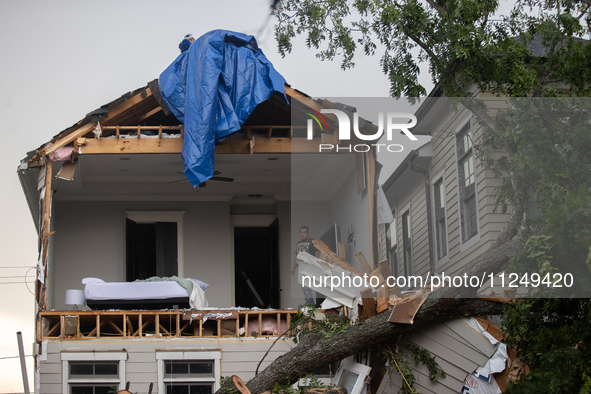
x: 351, y: 210
x: 90, y: 241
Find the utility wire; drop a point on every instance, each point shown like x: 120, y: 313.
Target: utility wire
x: 6, y: 358
x: 22, y: 266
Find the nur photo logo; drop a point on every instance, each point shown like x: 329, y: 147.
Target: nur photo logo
x: 399, y: 122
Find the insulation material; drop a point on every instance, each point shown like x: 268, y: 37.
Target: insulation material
x: 97, y: 130
x: 268, y: 326
x: 212, y: 88
x: 61, y: 154
x: 40, y: 269
x: 481, y: 381
x: 474, y: 385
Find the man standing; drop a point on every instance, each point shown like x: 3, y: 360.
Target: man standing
x: 305, y: 245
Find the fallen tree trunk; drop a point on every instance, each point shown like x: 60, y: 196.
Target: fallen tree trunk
x: 315, y: 350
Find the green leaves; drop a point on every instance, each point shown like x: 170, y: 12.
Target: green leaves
x: 308, y: 320
x: 551, y: 336
x: 463, y: 42
x: 398, y: 362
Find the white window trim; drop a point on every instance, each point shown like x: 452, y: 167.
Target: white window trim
x: 359, y: 369
x: 439, y: 175
x: 175, y: 355
x: 405, y: 209
x: 66, y: 357
x: 165, y: 216
x: 472, y: 241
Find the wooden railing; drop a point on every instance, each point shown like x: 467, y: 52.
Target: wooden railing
x: 217, y: 323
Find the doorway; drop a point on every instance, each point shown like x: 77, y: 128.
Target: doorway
x: 256, y: 266
x: 151, y: 250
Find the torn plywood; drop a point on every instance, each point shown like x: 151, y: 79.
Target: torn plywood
x: 67, y: 171
x: 405, y: 310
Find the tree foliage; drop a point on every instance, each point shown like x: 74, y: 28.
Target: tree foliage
x: 463, y: 42
x: 536, y: 49
x: 552, y: 336
x: 550, y: 138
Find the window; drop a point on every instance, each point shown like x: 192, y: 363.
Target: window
x: 93, y: 372
x: 466, y: 185
x: 406, y: 242
x: 440, y: 220
x: 352, y: 376
x: 391, y: 244
x: 188, y: 372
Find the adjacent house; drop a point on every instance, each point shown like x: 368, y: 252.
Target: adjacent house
x: 444, y: 217
x: 111, y: 205
x: 441, y: 196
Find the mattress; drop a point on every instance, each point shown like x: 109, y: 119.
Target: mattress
x: 141, y: 295
x: 100, y: 291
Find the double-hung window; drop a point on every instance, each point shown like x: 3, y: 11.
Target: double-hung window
x: 93, y: 372
x: 188, y: 372
x: 466, y: 185
x: 440, y: 219
x: 406, y: 241
x: 391, y: 245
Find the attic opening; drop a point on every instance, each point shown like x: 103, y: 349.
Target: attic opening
x: 256, y: 266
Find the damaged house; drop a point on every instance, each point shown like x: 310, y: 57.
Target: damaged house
x: 111, y: 205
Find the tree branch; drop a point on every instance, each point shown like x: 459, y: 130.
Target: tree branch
x: 315, y: 351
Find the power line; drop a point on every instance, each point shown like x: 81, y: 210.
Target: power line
x: 6, y: 358
x: 22, y: 266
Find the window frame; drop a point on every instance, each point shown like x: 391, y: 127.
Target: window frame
x: 189, y: 355
x: 460, y: 159
x: 407, y: 266
x: 68, y: 357
x: 439, y: 178
x: 392, y: 244
x: 359, y: 370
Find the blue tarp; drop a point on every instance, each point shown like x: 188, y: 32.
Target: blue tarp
x: 212, y: 89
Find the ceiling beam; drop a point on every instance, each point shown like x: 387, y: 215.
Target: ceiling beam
x: 271, y: 145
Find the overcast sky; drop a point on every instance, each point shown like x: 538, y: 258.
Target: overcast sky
x: 61, y: 59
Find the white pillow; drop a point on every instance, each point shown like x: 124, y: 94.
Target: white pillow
x: 92, y: 280
x: 202, y: 284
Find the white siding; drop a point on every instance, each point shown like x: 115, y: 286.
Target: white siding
x: 239, y: 357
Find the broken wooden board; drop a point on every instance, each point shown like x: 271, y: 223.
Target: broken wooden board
x: 382, y: 299
x: 405, y: 311
x: 67, y: 171
x: 365, y: 267
x: 342, y: 253
x: 369, y: 306
x: 384, y: 268
x: 334, y: 259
